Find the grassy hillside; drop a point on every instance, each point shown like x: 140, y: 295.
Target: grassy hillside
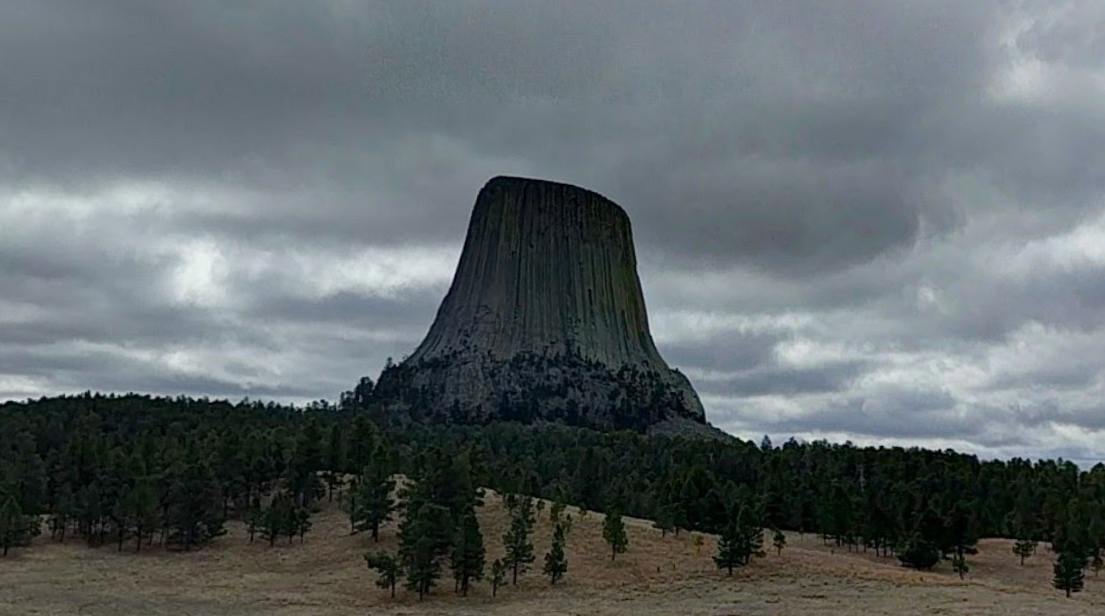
x: 665, y: 575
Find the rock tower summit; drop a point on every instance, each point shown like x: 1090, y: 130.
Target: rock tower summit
x: 545, y: 319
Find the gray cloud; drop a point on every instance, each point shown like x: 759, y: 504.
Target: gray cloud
x: 870, y: 220
x: 786, y: 381
x: 729, y: 351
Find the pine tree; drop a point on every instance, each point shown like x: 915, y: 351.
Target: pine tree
x: 364, y: 438
x: 919, y: 553
x: 423, y: 566
x: 556, y: 563
x: 195, y: 504
x: 142, y: 511
x: 16, y: 529
x: 120, y: 521
x: 301, y: 523
x: 425, y: 538
x: 254, y: 517
x: 958, y: 529
x: 730, y: 553
x: 435, y: 507
x: 516, y: 541
x: 1024, y: 548
x: 89, y: 511
x: 665, y: 519
x: 1096, y: 536
x: 279, y: 518
x: 335, y: 460
x: 678, y: 513
x: 779, y: 540
x: 301, y: 477
x: 388, y: 567
x: 468, y: 552
x: 62, y: 512
x: 749, y: 531
x: 371, y: 503
x: 498, y: 576
x: 840, y: 513
x: 765, y: 444
x: 922, y: 549
x: 1069, y: 570
x: 959, y: 564
x: 556, y: 511
x: 613, y: 532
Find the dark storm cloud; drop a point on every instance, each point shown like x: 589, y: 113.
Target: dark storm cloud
x: 853, y: 218
x: 786, y: 168
x: 784, y: 381
x: 409, y: 314
x: 729, y: 351
x: 906, y: 414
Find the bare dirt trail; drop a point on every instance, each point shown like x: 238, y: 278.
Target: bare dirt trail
x: 658, y: 575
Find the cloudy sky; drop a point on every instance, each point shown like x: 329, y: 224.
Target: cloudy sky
x: 871, y: 220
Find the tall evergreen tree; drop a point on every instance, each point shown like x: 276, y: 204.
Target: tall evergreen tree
x: 741, y: 539
x: 556, y: 563
x: 370, y: 502
x: 730, y: 553
x: 301, y: 523
x: 468, y: 552
x: 556, y: 511
x: 62, y: 512
x: 665, y: 519
x: 498, y: 576
x: 436, y: 504
x: 16, y: 529
x: 141, y: 511
x: 302, y: 465
x: 613, y: 532
x: 254, y: 517
x: 279, y: 518
x: 423, y: 565
x: 1070, y: 572
x: 750, y: 531
x: 516, y: 541
x: 335, y: 460
x: 195, y: 505
x: 425, y: 539
x: 388, y: 568
x: 364, y: 438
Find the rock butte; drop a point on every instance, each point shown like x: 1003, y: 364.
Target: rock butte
x: 545, y: 320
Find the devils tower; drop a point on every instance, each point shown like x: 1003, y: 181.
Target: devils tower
x: 545, y: 320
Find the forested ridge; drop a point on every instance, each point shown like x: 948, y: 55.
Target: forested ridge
x: 131, y: 471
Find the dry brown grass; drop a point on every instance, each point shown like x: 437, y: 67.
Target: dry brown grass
x: 327, y: 575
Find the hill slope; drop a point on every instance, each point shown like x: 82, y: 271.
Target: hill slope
x: 326, y: 575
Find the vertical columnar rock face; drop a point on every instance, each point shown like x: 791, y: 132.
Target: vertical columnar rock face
x: 544, y: 320
x: 546, y: 268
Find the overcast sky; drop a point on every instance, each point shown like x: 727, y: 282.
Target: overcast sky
x: 872, y: 220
